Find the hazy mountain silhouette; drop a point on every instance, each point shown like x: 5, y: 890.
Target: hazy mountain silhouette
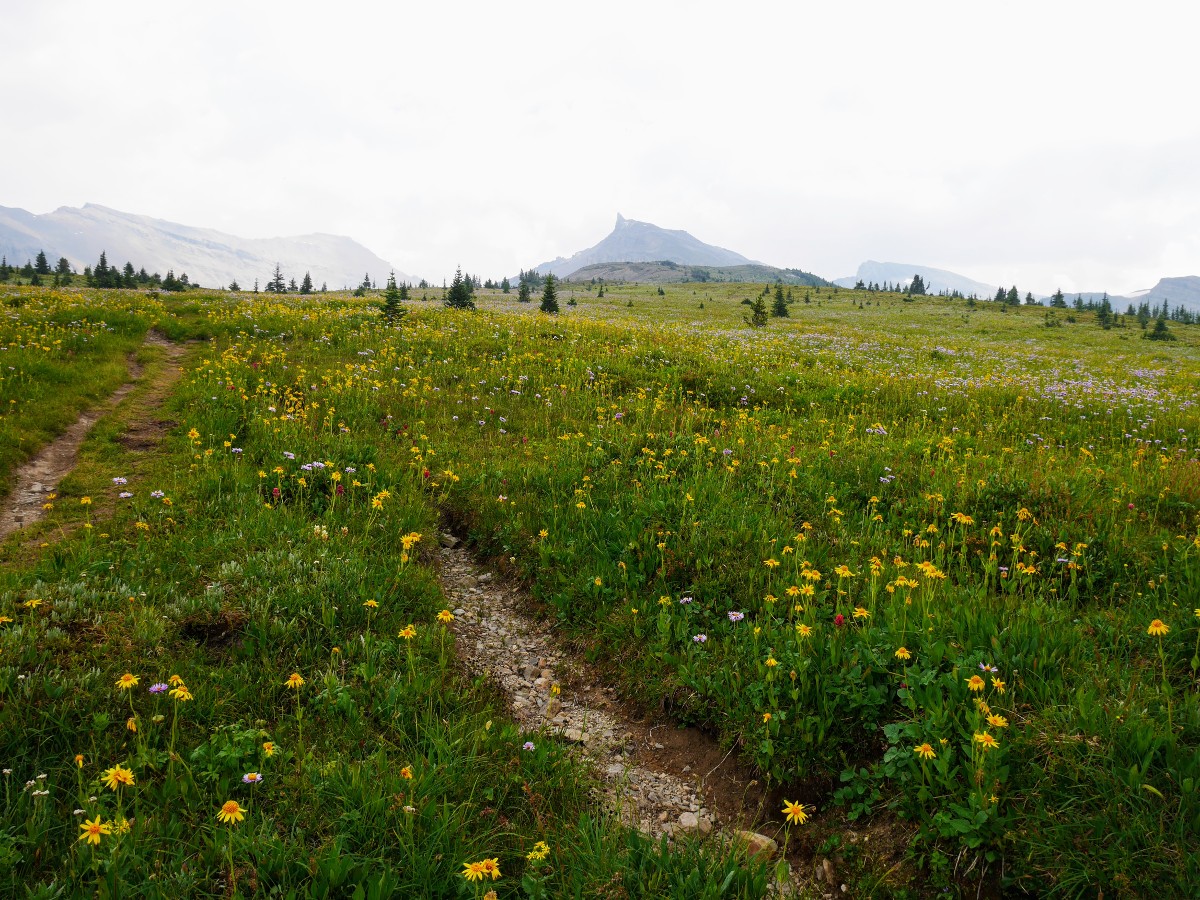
x: 208, y: 257
x: 936, y: 280
x: 632, y: 241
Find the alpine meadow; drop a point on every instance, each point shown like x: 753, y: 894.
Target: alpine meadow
x: 927, y: 570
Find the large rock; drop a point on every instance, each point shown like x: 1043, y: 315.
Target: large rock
x: 756, y: 844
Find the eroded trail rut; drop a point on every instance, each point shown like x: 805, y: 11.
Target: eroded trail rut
x: 646, y: 781
x: 39, y: 477
x: 656, y: 776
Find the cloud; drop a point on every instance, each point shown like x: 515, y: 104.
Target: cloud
x: 1037, y: 144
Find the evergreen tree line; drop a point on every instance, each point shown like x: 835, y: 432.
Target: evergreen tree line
x: 102, y: 275
x: 277, y: 284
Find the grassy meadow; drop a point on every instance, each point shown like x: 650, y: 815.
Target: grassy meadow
x: 930, y: 561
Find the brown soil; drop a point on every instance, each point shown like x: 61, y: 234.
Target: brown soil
x: 40, y: 476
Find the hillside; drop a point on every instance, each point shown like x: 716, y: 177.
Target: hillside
x: 632, y: 241
x: 209, y: 257
x: 1183, y: 291
x: 667, y: 272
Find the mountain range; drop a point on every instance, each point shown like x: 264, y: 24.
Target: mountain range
x: 1184, y: 291
x: 634, y: 251
x: 210, y: 258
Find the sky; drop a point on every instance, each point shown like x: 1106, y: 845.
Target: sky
x: 1048, y: 144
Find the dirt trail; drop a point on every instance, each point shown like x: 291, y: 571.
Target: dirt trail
x: 40, y: 476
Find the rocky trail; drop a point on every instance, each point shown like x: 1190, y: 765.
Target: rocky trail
x: 657, y: 777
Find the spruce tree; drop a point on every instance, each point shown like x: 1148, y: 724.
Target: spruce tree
x: 1161, y: 332
x: 392, y: 310
x: 779, y: 307
x: 758, y: 313
x: 100, y: 274
x: 42, y: 265
x: 306, y: 286
x: 504, y: 285
x: 459, y: 295
x: 233, y: 285
x: 5, y: 270
x: 523, y: 292
x: 549, y: 296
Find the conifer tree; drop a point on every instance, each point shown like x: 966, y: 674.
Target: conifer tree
x: 392, y: 310
x: 42, y: 265
x: 549, y: 296
x: 779, y: 307
x: 758, y: 313
x: 504, y: 285
x: 306, y: 286
x: 233, y: 285
x: 459, y: 295
x: 523, y: 292
x: 100, y: 274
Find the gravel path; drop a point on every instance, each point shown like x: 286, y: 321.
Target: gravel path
x: 497, y: 636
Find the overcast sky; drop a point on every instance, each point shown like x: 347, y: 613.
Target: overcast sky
x: 1046, y: 144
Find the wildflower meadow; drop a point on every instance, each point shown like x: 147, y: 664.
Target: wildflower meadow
x: 935, y: 563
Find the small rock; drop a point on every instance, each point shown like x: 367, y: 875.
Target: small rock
x: 449, y: 541
x: 657, y: 746
x: 756, y: 844
x: 485, y: 576
x: 705, y: 824
x: 827, y: 871
x: 460, y: 612
x: 663, y: 816
x: 553, y: 705
x: 575, y: 736
x: 687, y: 768
x: 688, y: 821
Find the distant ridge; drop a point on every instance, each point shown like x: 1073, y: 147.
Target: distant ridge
x: 667, y: 272
x: 632, y: 241
x: 936, y: 280
x: 208, y: 257
x: 1183, y: 291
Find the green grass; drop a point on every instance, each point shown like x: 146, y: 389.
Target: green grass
x: 62, y: 353
x: 999, y: 493
x: 390, y: 769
